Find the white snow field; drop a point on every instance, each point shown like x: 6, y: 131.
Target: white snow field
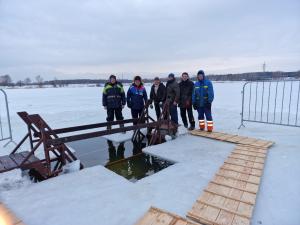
x: 96, y: 195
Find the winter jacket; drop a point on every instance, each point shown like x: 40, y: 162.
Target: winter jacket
x: 203, y: 93
x: 113, y: 95
x: 186, y: 91
x: 136, y: 97
x: 173, y: 91
x: 160, y: 96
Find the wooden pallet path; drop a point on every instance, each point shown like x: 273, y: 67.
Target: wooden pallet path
x: 7, y: 217
x: 155, y: 216
x: 236, y: 139
x: 230, y: 196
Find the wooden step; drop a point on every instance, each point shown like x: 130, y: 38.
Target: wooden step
x: 155, y: 216
x: 7, y: 217
x: 13, y: 161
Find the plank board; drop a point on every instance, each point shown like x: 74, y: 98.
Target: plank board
x: 1, y: 166
x: 239, y: 176
x: 249, y: 153
x: 233, y: 138
x: 32, y: 158
x: 7, y: 217
x: 155, y: 216
x: 7, y: 162
x: 13, y: 161
x: 225, y: 137
x: 247, y: 157
x: 246, y: 163
x: 230, y: 197
x: 232, y: 206
x: 17, y: 158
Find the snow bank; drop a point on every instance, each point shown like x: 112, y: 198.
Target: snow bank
x: 13, y: 180
x: 97, y: 194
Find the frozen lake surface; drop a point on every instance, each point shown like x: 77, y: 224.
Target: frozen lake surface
x: 97, y: 194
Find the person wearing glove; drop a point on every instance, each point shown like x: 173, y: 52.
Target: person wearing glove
x: 136, y: 97
x: 157, y: 95
x: 113, y: 100
x: 185, y: 101
x: 202, y: 98
x: 173, y: 94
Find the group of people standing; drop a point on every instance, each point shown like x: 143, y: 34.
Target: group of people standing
x: 186, y: 95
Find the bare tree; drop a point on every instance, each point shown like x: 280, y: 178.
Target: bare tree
x: 19, y: 83
x: 5, y: 79
x: 39, y: 80
x: 54, y: 82
x: 27, y: 81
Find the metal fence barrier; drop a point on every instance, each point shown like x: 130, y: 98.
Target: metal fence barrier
x: 271, y: 102
x: 5, y: 125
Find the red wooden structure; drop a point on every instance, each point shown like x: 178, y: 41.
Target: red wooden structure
x: 55, y: 151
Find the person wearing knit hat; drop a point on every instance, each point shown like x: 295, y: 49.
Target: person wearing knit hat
x: 157, y: 95
x: 113, y: 99
x: 173, y: 93
x: 112, y: 77
x: 136, y: 97
x: 138, y: 78
x: 202, y: 98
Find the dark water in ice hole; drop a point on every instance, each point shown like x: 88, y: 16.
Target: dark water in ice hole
x: 125, y: 158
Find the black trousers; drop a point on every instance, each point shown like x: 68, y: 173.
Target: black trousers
x: 136, y: 113
x: 189, y: 111
x: 111, y: 113
x: 157, y: 109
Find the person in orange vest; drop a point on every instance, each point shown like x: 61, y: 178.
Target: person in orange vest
x: 202, y: 98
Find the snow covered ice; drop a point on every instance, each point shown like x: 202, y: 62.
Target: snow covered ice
x: 97, y: 194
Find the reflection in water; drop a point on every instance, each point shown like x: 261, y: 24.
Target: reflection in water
x: 115, y: 154
x: 126, y: 158
x: 139, y: 165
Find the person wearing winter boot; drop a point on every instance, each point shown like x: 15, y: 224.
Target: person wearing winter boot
x: 136, y: 97
x: 173, y: 94
x: 113, y: 100
x: 157, y: 95
x: 186, y: 87
x: 202, y: 98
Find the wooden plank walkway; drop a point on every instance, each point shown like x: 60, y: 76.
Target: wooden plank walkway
x: 155, y: 216
x: 230, y: 196
x: 7, y: 217
x: 13, y: 161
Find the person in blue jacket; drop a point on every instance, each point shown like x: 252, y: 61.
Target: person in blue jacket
x: 136, y: 97
x: 202, y: 98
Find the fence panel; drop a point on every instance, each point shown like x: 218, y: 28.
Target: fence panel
x: 271, y: 102
x: 5, y: 125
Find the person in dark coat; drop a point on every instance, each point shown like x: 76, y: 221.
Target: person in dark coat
x: 202, y: 98
x: 186, y: 87
x: 136, y: 97
x: 113, y: 99
x: 157, y: 95
x: 173, y: 93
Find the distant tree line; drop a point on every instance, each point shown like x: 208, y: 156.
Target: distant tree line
x: 256, y: 76
x: 6, y: 80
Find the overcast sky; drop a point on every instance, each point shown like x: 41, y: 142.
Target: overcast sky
x: 91, y: 38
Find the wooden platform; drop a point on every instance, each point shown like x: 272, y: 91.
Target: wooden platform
x: 10, y: 162
x: 7, y: 217
x: 155, y: 216
x: 230, y: 196
x: 233, y: 138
